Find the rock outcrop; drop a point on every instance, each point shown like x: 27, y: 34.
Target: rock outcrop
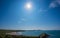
x: 44, y: 35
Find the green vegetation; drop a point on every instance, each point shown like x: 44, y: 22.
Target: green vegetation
x: 4, y: 31
x: 4, y: 35
x: 17, y: 36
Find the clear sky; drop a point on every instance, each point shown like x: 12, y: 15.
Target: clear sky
x: 38, y: 14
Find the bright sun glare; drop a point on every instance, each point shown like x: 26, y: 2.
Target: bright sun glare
x: 28, y: 6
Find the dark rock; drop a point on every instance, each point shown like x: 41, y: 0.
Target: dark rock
x: 43, y: 35
x: 0, y: 37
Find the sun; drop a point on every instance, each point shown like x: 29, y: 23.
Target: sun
x: 28, y: 6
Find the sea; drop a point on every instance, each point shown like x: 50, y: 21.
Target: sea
x: 52, y: 33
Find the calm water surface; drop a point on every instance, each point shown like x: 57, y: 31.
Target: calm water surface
x: 52, y: 33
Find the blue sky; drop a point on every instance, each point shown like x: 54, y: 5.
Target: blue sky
x: 44, y: 14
